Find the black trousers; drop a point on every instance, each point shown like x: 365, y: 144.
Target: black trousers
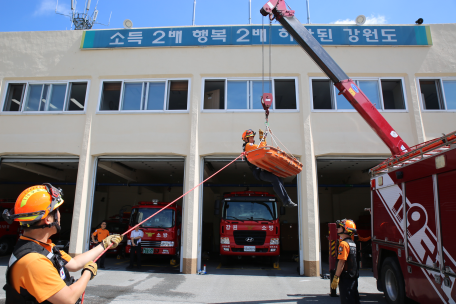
x: 101, y: 260
x: 348, y: 290
x: 135, y: 251
x: 277, y: 184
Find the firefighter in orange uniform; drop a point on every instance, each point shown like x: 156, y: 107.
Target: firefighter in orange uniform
x: 347, y: 271
x: 37, y: 272
x: 262, y: 175
x: 100, y: 234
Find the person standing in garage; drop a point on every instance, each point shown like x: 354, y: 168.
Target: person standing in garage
x: 136, y: 250
x: 101, y: 234
x: 37, y: 271
x: 262, y: 175
x: 347, y: 271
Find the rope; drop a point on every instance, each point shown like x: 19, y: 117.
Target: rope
x: 241, y: 155
x: 262, y: 56
x: 289, y: 153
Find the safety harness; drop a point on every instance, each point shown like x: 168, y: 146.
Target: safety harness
x: 351, y: 265
x: 24, y: 247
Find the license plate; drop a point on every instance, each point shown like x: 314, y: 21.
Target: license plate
x: 249, y: 248
x: 148, y: 250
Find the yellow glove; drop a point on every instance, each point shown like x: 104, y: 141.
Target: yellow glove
x: 261, y: 134
x: 92, y: 267
x: 335, y: 282
x: 115, y: 239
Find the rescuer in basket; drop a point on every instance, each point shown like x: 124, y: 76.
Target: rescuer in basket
x: 347, y: 272
x: 37, y: 272
x: 260, y: 174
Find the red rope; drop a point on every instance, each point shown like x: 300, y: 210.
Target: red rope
x: 242, y: 154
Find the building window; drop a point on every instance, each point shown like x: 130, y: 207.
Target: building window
x: 144, y: 96
x: 49, y: 97
x: 385, y: 94
x: 438, y: 94
x: 234, y: 94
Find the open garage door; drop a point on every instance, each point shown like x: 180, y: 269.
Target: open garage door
x: 19, y: 173
x: 128, y: 190
x: 344, y: 192
x: 239, y: 216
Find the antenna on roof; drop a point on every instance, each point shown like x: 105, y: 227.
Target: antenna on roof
x: 82, y: 21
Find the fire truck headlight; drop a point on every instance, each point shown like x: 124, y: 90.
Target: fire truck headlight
x: 225, y: 240
x: 226, y: 249
x: 167, y: 244
x: 274, y: 241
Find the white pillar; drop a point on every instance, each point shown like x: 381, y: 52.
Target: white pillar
x: 83, y: 196
x: 190, y: 219
x: 415, y: 110
x: 309, y: 212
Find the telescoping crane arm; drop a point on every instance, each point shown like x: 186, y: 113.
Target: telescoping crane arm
x: 277, y: 9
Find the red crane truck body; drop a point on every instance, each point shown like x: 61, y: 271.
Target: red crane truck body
x: 250, y: 225
x: 413, y: 198
x: 161, y: 232
x: 413, y: 209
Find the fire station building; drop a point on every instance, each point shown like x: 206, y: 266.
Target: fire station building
x: 115, y: 117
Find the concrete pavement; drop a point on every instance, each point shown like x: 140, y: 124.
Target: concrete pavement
x: 240, y: 282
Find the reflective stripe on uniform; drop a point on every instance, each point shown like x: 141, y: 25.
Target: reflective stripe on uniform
x: 12, y: 260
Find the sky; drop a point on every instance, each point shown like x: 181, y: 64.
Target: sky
x: 39, y: 15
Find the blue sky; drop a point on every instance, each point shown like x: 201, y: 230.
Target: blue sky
x: 39, y: 15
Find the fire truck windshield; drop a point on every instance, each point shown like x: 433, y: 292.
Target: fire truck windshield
x: 249, y: 211
x: 164, y: 219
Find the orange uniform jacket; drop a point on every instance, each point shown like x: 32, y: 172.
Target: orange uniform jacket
x: 101, y: 234
x: 250, y: 146
x: 35, y: 273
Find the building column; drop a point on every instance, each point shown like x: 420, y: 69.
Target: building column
x: 415, y: 110
x: 309, y: 213
x: 83, y: 196
x: 190, y: 218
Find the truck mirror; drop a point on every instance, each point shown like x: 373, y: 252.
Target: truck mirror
x: 217, y: 207
x: 282, y: 210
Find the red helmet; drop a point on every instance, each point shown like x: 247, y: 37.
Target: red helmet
x: 348, y: 225
x: 247, y: 133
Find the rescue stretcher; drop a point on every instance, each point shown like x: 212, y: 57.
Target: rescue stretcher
x: 275, y: 161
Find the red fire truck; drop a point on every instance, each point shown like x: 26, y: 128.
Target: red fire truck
x: 161, y: 232
x: 8, y: 233
x: 413, y: 207
x: 413, y: 199
x: 250, y: 226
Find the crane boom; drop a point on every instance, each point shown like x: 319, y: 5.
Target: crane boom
x: 277, y: 9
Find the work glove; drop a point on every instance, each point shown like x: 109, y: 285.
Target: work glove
x: 92, y: 267
x: 260, y: 133
x: 335, y: 282
x: 113, y: 239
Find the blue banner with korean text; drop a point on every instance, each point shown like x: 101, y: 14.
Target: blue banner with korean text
x: 374, y: 35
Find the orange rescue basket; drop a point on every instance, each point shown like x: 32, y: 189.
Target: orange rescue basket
x: 275, y: 161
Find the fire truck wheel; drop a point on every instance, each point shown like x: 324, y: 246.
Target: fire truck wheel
x: 5, y: 246
x: 393, y: 282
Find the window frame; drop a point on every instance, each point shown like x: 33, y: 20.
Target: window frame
x: 249, y: 93
x: 356, y: 79
x: 144, y: 95
x: 440, y: 79
x: 49, y: 95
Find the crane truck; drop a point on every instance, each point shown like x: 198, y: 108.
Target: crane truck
x: 413, y: 198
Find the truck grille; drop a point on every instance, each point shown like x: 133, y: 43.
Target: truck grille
x: 150, y: 243
x: 240, y: 237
